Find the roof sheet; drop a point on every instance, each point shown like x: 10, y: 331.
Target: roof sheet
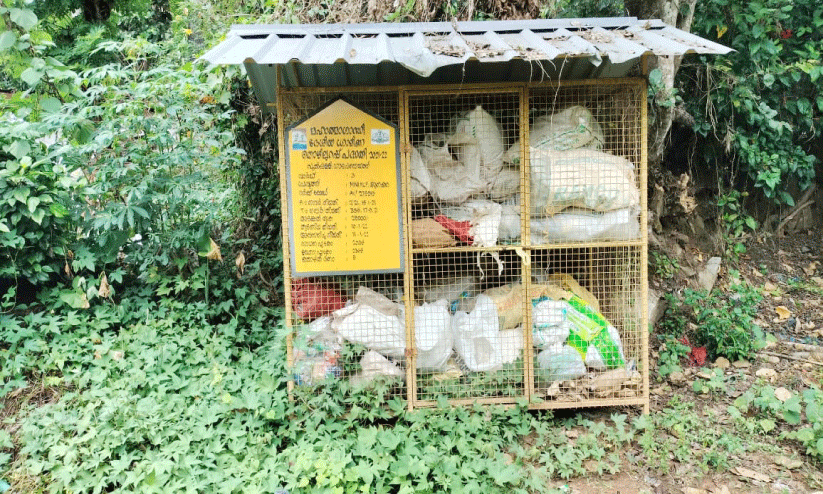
x: 393, y: 54
x: 423, y: 48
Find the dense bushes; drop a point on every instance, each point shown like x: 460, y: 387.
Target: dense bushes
x: 761, y: 104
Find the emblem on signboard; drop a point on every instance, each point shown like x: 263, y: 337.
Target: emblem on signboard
x: 298, y: 139
x: 380, y: 136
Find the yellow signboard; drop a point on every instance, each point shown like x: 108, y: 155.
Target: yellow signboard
x: 343, y: 169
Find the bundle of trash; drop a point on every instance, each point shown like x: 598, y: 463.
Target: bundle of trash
x: 458, y: 327
x: 577, y: 191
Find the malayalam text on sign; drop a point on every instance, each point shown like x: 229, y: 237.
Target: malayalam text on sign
x: 342, y: 167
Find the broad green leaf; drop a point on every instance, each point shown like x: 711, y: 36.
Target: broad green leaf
x: 37, y: 215
x: 21, y: 194
x: 19, y: 149
x: 31, y: 76
x: 7, y: 39
x: 58, y: 210
x: 24, y: 18
x: 32, y: 203
x: 805, y: 434
x: 3, y: 227
x: 50, y: 104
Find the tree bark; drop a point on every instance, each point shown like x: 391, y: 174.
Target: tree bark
x: 678, y: 13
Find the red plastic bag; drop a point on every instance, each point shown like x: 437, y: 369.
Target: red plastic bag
x: 311, y: 298
x: 697, y: 355
x: 460, y: 229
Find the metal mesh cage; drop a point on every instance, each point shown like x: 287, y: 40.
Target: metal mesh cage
x: 585, y: 163
x: 525, y: 251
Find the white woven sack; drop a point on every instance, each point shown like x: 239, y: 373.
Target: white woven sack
x: 581, y: 178
x: 572, y: 128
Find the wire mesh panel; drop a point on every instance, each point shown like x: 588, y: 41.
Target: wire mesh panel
x: 465, y: 180
x: 348, y: 330
x: 585, y: 145
x: 464, y: 170
x: 586, y: 325
x: 468, y: 326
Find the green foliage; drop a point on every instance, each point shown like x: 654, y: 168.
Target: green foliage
x: 715, y: 384
x: 125, y: 150
x: 763, y: 401
x: 672, y: 353
x: 735, y: 222
x: 662, y: 265
x: 722, y: 321
x: 679, y: 433
x: 764, y: 100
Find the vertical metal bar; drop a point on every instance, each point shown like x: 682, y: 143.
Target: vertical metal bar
x: 525, y: 239
x: 284, y: 229
x: 408, y: 276
x: 644, y: 229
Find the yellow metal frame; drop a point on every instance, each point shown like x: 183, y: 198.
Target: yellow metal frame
x: 524, y: 251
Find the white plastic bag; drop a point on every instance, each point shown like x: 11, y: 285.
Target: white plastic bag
x: 509, y: 222
x: 478, y: 142
x: 421, y: 180
x: 367, y: 326
x: 581, y: 178
x: 551, y: 326
x: 459, y: 292
x: 484, y: 217
x: 374, y: 365
x: 432, y: 335
x: 452, y: 182
x: 574, y: 225
x: 561, y: 363
x: 478, y: 340
x: 505, y: 184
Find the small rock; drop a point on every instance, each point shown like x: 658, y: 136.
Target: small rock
x: 693, y: 490
x: 766, y: 372
x: 657, y: 306
x: 722, y: 363
x: 790, y: 463
x: 708, y: 276
x: 769, y: 286
x: 677, y: 377
x: 704, y: 375
x: 572, y: 434
x: 771, y: 359
x: 741, y: 364
x: 723, y: 489
x: 590, y: 465
x: 782, y: 394
x: 770, y: 344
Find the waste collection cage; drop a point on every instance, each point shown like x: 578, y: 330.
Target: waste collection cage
x: 521, y: 263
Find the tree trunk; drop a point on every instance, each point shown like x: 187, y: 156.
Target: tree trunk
x: 678, y: 13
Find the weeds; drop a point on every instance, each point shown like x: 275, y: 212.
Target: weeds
x: 722, y: 321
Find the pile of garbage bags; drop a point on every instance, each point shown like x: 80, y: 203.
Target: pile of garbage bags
x: 455, y: 326
x: 577, y: 191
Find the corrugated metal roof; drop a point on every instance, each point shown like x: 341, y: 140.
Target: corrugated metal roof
x: 478, y: 51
